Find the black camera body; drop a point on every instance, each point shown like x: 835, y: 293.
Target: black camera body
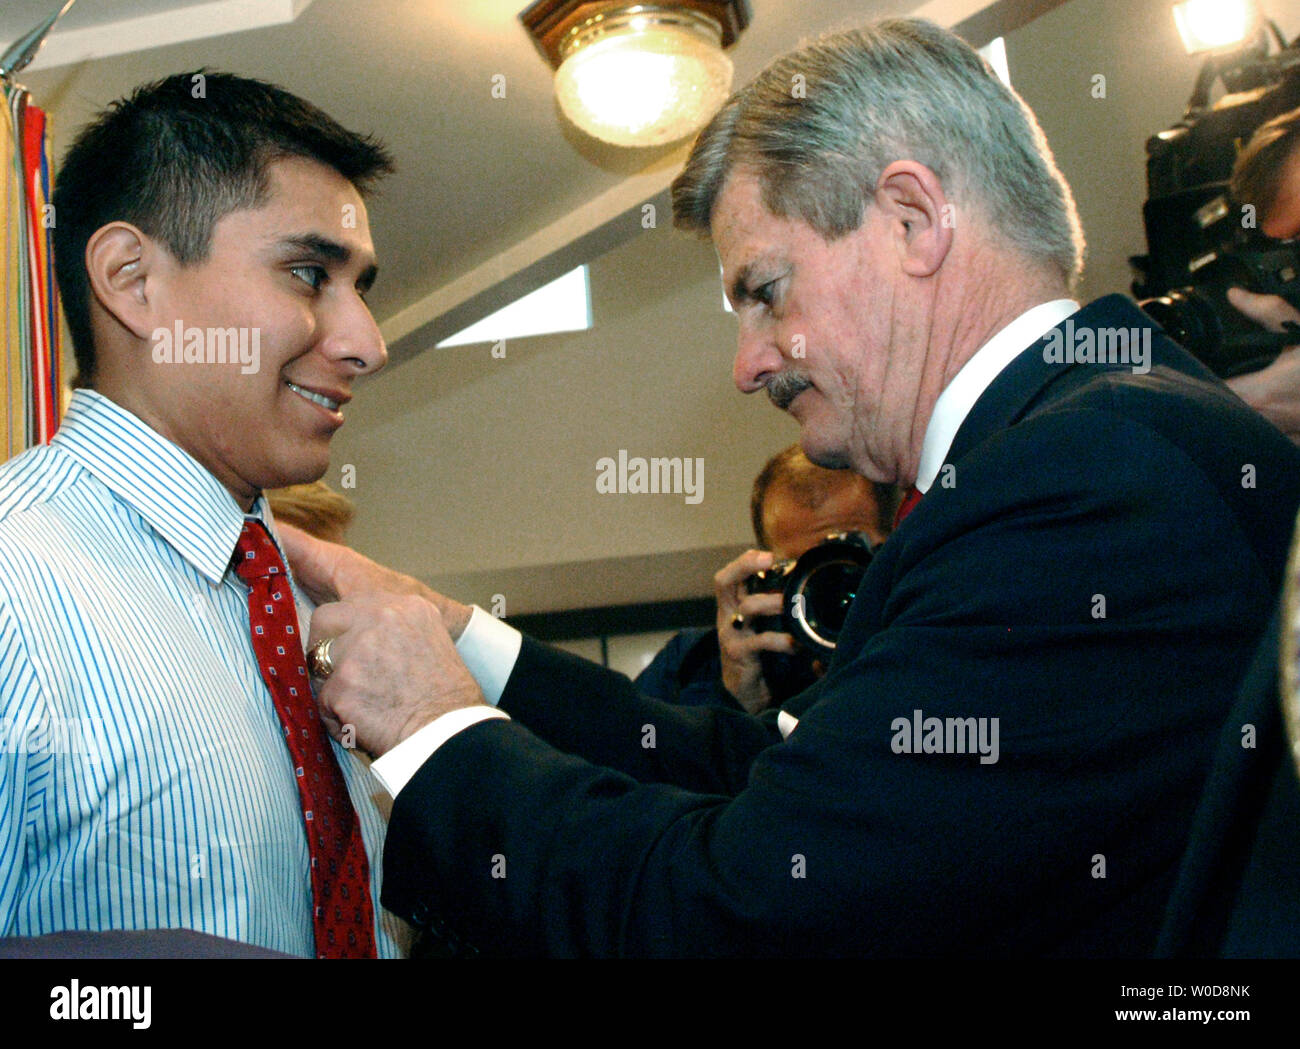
x: 1197, y: 243
x: 1199, y: 316
x: 817, y: 589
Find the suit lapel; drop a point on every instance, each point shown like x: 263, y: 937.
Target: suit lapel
x: 1025, y: 381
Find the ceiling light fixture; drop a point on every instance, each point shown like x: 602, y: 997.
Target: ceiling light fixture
x: 1213, y: 25
x: 638, y: 74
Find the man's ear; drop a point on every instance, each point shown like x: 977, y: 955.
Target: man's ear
x: 121, y: 263
x: 912, y: 196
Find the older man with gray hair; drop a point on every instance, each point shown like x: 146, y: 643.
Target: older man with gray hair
x: 1007, y: 750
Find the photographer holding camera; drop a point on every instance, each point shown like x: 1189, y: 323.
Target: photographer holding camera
x: 1267, y: 175
x: 795, y: 506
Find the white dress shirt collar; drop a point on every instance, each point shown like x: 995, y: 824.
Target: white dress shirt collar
x: 977, y: 375
x: 179, y: 497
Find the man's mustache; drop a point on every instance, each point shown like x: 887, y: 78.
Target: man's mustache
x: 784, y: 387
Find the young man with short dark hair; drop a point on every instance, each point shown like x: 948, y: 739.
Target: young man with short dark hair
x: 213, y: 253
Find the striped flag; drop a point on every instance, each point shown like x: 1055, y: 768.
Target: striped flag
x: 30, y: 366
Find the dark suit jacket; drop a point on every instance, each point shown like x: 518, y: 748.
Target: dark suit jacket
x: 1094, y: 573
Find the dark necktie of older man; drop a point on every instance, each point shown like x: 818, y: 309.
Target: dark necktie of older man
x: 343, y: 913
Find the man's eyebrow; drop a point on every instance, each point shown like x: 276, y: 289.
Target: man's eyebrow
x: 328, y: 250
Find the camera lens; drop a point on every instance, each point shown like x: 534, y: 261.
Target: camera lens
x: 817, y: 591
x: 822, y: 586
x: 821, y: 603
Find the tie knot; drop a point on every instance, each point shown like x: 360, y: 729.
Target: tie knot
x: 256, y: 556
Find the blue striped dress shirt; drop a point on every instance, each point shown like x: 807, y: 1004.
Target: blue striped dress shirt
x: 144, y: 779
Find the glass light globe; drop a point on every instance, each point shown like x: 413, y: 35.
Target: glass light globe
x: 644, y: 81
x: 1208, y: 25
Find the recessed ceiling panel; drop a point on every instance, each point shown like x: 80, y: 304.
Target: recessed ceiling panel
x: 100, y: 28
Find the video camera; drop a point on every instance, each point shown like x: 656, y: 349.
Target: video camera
x: 1197, y: 243
x: 817, y: 588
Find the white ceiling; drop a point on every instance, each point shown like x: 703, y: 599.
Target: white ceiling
x: 23, y: 14
x: 96, y: 29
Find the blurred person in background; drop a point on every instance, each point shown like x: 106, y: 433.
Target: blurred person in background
x: 1267, y: 175
x: 315, y: 508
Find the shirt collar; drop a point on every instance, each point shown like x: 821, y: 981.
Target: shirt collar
x: 178, y: 497
x: 977, y: 375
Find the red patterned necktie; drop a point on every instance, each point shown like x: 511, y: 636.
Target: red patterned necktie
x: 908, y: 504
x: 343, y: 915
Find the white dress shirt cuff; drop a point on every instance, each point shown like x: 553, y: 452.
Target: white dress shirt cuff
x: 395, y: 769
x: 489, y: 648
